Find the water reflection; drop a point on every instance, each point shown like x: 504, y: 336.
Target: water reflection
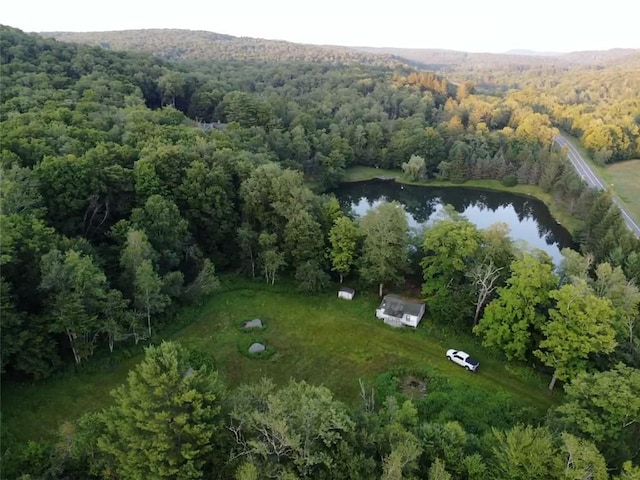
x: 528, y: 218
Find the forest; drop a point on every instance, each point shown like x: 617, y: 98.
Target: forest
x: 134, y: 186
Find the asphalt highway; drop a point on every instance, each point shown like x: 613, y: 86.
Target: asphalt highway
x: 593, y: 180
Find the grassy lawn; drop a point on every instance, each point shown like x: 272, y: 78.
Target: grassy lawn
x: 622, y: 177
x: 317, y: 338
x: 360, y: 174
x: 34, y: 411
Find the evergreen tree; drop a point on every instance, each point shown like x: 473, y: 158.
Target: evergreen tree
x: 165, y: 418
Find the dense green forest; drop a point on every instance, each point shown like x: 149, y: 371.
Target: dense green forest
x: 129, y: 183
x: 593, y: 95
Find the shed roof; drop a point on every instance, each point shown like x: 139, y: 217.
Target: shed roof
x: 397, y: 306
x: 347, y: 290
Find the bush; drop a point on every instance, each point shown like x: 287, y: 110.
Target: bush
x: 510, y: 181
x: 198, y: 358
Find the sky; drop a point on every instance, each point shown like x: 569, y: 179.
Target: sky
x: 474, y: 26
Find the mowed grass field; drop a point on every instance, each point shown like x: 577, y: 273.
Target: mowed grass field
x: 317, y: 338
x: 625, y: 180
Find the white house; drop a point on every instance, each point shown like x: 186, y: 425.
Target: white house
x: 346, y: 293
x: 397, y: 311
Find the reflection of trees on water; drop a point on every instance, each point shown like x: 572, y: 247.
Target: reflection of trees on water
x: 423, y: 202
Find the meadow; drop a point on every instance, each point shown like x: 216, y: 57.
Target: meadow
x: 318, y: 338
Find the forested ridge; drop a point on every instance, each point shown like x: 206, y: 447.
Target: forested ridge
x: 129, y: 181
x: 175, y: 44
x: 591, y: 94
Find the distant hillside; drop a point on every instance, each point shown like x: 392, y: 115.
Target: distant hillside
x: 176, y: 44
x: 451, y: 59
x: 532, y: 52
x: 616, y: 56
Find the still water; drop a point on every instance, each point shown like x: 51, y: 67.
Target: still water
x: 529, y: 219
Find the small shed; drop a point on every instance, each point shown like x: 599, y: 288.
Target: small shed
x: 346, y: 293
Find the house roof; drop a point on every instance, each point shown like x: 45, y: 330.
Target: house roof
x: 396, y: 306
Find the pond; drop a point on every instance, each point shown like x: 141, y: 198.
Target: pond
x: 528, y: 218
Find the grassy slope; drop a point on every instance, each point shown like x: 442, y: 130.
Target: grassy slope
x: 622, y: 177
x: 359, y: 174
x: 319, y: 338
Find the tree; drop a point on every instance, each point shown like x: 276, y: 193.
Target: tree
x: 166, y: 230
x: 447, y: 442
x: 271, y: 257
x: 135, y: 251
x: 384, y: 252
x: 415, y: 167
x: 117, y: 317
x: 205, y: 282
x: 624, y: 295
x: 389, y: 432
x: 171, y: 85
x: 145, y: 285
x: 437, y: 471
x: 299, y: 428
x: 248, y: 244
x: 497, y: 247
x: 208, y: 194
x: 403, y: 455
x: 303, y: 239
x: 343, y: 236
x: 450, y: 247
x: 11, y: 323
x: 514, y: 319
x: 629, y: 471
x: 311, y: 277
x: 579, y: 325
x: 20, y: 193
x: 149, y: 297
x: 484, y: 278
x: 582, y: 459
x: 78, y: 288
x: 525, y: 452
x: 574, y: 266
x: 604, y: 407
x: 271, y: 196
x: 165, y: 417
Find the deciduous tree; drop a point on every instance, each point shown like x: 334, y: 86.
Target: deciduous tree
x: 525, y: 452
x: 343, y: 237
x: 603, y: 407
x: 384, y: 252
x: 450, y: 247
x: 149, y: 297
x: 580, y: 324
x: 299, y: 428
x: 78, y: 289
x: 415, y: 168
x: 512, y: 320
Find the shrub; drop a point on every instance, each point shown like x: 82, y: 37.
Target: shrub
x: 510, y: 181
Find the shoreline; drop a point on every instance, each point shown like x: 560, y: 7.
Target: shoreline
x: 366, y: 174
